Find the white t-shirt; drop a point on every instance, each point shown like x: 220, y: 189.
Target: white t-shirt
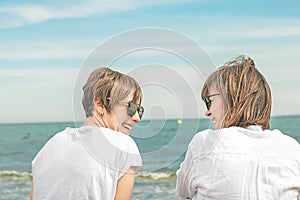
x: 238, y: 164
x: 83, y: 163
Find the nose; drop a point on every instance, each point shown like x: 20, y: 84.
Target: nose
x: 136, y: 117
x: 207, y: 113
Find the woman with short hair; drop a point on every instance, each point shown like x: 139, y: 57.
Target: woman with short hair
x: 97, y: 160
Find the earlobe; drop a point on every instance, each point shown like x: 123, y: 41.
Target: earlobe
x: 98, y: 106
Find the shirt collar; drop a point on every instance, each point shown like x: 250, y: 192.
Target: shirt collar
x: 254, y: 128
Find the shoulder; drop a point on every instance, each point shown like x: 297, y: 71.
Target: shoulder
x: 120, y: 139
x: 107, y: 138
x: 60, y: 137
x: 116, y: 135
x: 54, y: 143
x: 115, y: 149
x: 277, y: 134
x: 205, y: 141
x: 285, y: 143
x: 210, y: 135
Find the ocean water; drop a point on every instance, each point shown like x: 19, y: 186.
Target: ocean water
x: 162, y: 144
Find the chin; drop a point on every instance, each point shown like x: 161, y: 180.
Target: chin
x: 126, y: 132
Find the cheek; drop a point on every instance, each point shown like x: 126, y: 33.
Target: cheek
x: 120, y: 116
x: 222, y: 113
x: 219, y: 109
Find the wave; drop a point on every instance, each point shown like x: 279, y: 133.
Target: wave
x: 156, y: 176
x: 15, y: 175
x: 140, y: 176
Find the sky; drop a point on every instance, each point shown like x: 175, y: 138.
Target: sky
x: 47, y: 48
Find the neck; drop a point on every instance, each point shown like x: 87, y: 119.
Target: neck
x: 94, y: 121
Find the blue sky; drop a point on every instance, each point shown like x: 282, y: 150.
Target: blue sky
x: 45, y: 43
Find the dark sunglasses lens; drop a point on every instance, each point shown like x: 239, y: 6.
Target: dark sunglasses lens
x: 132, y: 108
x: 207, y: 103
x: 141, y: 111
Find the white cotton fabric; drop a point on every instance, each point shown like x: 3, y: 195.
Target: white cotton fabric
x: 240, y: 164
x: 83, y: 163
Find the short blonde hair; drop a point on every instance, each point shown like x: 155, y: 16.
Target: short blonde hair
x: 245, y: 92
x: 109, y: 87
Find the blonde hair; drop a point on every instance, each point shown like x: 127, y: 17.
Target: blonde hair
x: 110, y: 87
x: 245, y: 92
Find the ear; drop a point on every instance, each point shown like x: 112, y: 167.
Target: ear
x: 98, y: 106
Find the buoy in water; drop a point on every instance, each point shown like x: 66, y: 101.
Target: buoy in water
x: 179, y: 121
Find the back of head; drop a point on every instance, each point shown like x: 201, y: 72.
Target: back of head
x: 109, y: 87
x: 244, y: 91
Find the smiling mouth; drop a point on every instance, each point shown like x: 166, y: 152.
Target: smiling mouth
x: 128, y: 127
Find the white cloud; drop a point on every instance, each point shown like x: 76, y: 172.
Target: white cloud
x: 276, y: 31
x: 36, y: 78
x: 233, y: 28
x: 43, y: 54
x: 31, y: 13
x: 19, y: 15
x: 127, y: 43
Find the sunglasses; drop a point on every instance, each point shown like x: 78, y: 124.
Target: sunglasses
x: 208, y: 101
x: 132, y: 108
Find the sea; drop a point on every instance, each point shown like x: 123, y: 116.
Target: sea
x: 162, y: 144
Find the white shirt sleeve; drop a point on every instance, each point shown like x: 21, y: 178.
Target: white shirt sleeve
x: 185, y: 177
